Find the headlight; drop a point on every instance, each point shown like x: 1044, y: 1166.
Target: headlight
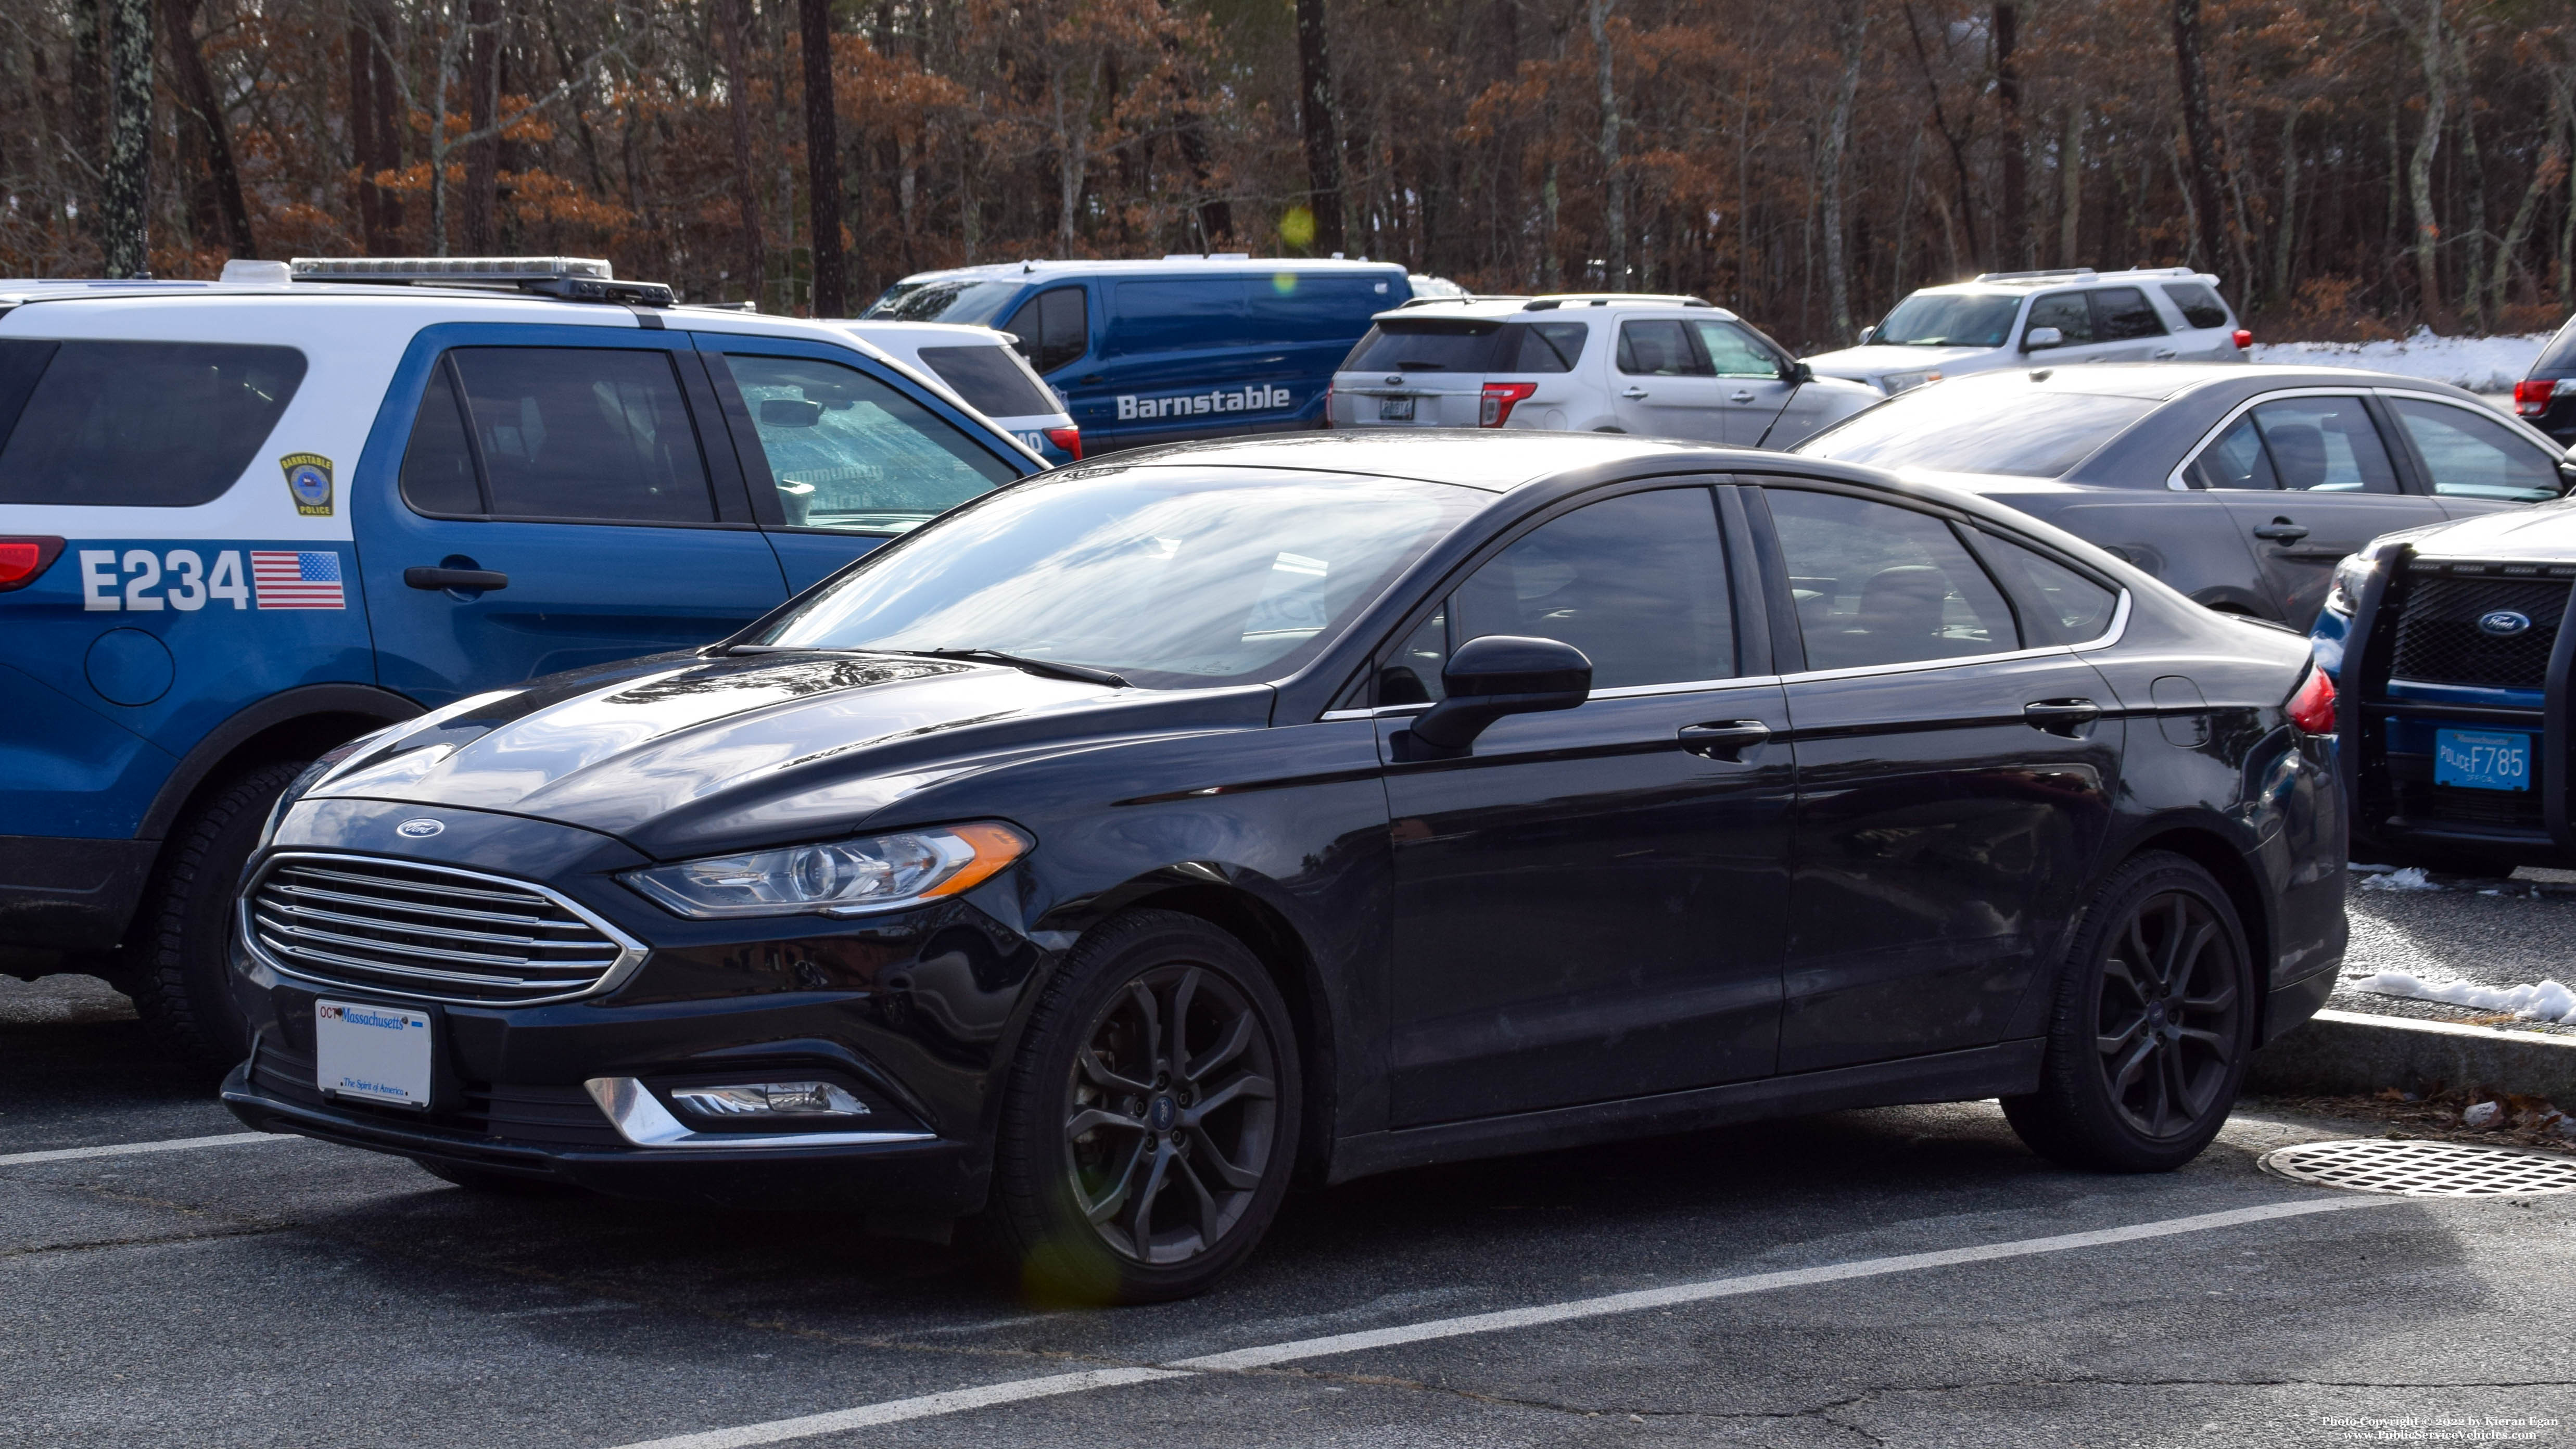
x: 2350, y: 578
x: 1896, y: 382
x: 841, y: 877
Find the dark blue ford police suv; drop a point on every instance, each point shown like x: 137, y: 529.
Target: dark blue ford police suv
x: 243, y: 523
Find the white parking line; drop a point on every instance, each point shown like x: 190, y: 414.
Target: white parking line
x: 127, y: 1149
x: 959, y: 1400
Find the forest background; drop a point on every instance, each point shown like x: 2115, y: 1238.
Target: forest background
x: 2351, y: 168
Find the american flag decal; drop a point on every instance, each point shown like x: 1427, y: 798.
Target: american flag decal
x: 287, y: 579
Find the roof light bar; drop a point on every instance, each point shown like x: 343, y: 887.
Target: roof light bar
x: 577, y: 279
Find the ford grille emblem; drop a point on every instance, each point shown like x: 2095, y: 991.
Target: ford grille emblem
x: 419, y: 829
x: 2503, y: 623
x: 1395, y: 379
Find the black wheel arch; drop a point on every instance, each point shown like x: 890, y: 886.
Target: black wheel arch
x: 286, y: 725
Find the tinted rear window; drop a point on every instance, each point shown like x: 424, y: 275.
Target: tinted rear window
x: 1430, y: 344
x: 2559, y: 356
x: 1955, y: 429
x: 991, y: 379
x: 137, y: 424
x: 2200, y: 306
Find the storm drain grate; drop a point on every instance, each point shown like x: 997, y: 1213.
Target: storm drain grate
x: 2423, y: 1169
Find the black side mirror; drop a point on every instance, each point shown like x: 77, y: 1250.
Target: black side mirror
x: 1502, y: 674
x: 1797, y: 372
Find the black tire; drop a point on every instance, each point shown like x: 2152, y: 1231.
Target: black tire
x: 2153, y: 1024
x: 183, y: 929
x: 497, y: 1184
x: 1084, y: 1216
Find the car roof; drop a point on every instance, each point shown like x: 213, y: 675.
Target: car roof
x: 2160, y: 381
x: 2013, y: 283
x: 927, y: 334
x: 1041, y: 271
x: 1575, y: 303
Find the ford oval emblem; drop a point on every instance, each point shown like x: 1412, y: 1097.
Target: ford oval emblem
x: 2503, y: 623
x: 419, y: 829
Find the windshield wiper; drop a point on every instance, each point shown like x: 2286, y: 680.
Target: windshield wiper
x: 1083, y: 672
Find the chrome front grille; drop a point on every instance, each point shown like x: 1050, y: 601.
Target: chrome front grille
x: 428, y: 931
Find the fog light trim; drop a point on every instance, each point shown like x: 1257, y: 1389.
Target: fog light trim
x: 770, y: 1099
x: 642, y: 1120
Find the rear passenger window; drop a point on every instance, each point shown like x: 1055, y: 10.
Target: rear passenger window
x: 2120, y: 313
x: 1658, y: 349
x: 2473, y: 457
x: 1637, y: 583
x: 2056, y: 604
x: 1877, y: 584
x: 2235, y: 460
x: 136, y: 424
x: 2068, y: 312
x: 847, y: 451
x: 1548, y: 346
x: 990, y: 379
x: 438, y: 472
x: 2200, y: 306
x: 571, y: 433
x: 1054, y: 328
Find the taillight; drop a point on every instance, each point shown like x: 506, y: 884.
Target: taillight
x: 21, y: 559
x: 2244, y: 339
x: 1069, y: 439
x: 1500, y: 398
x: 2531, y: 395
x: 2313, y: 707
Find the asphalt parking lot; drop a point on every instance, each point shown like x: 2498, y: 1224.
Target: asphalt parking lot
x: 284, y: 1292
x: 2501, y: 932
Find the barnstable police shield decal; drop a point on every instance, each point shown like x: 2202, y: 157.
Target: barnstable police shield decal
x: 308, y: 477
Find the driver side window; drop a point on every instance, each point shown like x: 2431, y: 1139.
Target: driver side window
x: 847, y: 451
x: 1637, y: 582
x: 2069, y: 312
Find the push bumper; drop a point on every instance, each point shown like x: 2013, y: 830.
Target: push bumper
x: 69, y: 893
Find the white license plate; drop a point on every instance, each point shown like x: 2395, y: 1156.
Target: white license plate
x: 372, y: 1053
x: 1395, y: 409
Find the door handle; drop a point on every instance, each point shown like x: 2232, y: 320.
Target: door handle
x: 478, y: 580
x: 2060, y: 716
x: 1743, y: 396
x: 2166, y: 354
x: 2281, y: 530
x: 1725, y: 739
x: 1634, y: 392
x: 1091, y: 377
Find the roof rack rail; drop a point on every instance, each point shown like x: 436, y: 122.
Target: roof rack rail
x: 574, y: 279
x: 2049, y: 274
x: 1603, y: 299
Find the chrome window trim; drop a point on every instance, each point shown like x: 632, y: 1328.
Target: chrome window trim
x: 631, y: 953
x: 2174, y: 480
x: 2110, y: 636
x: 643, y: 1121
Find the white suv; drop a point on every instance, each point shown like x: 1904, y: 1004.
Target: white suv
x: 2006, y: 319
x: 1673, y: 367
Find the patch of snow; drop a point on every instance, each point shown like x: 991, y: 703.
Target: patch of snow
x: 2548, y: 1001
x: 2480, y: 364
x: 2412, y: 878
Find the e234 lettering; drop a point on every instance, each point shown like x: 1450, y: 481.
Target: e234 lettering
x: 178, y: 579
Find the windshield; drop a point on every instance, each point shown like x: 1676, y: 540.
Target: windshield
x: 1175, y: 580
x: 1949, y: 319
x: 956, y: 299
x: 1973, y: 429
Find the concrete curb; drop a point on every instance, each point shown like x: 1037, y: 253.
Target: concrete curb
x: 2349, y: 1053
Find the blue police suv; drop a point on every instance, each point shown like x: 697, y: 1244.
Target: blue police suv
x: 1180, y: 350
x: 2451, y: 645
x: 242, y: 523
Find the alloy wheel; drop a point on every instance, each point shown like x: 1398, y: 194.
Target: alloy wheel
x: 1171, y: 1114
x: 2168, y: 1015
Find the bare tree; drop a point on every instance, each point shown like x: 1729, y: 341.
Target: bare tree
x: 2012, y: 208
x: 123, y: 220
x: 1851, y: 27
x: 2419, y: 167
x: 746, y: 194
x: 1614, y: 187
x: 221, y: 181
x: 2202, y: 174
x: 1316, y: 121
x: 823, y: 161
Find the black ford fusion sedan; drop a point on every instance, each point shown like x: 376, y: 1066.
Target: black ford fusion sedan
x: 1120, y: 846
